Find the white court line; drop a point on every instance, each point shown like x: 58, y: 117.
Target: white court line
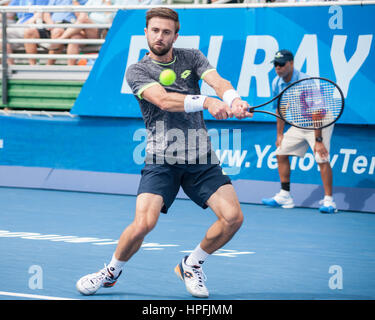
x: 32, y: 296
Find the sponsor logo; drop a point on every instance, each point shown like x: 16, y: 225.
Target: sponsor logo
x: 185, y: 74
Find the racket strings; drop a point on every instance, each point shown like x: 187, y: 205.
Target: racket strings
x: 313, y: 103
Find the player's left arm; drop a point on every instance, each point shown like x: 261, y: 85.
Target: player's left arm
x: 225, y: 91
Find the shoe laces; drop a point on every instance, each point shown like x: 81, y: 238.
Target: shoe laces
x: 101, y: 275
x: 200, y: 275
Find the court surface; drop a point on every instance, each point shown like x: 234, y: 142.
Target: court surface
x: 277, y: 254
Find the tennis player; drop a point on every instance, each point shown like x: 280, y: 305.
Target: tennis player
x: 172, y: 116
x: 295, y: 141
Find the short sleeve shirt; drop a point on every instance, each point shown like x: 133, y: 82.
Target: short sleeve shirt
x: 24, y: 16
x: 178, y: 135
x: 65, y: 17
x: 278, y: 84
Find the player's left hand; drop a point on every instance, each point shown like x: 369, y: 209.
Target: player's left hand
x: 320, y: 149
x: 240, y: 109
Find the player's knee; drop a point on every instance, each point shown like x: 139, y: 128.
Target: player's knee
x: 282, y: 158
x: 143, y: 224
x: 238, y: 221
x: 141, y: 229
x: 234, y: 219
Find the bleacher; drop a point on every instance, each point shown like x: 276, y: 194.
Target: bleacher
x: 55, y: 87
x: 42, y: 88
x: 46, y: 87
x: 52, y: 87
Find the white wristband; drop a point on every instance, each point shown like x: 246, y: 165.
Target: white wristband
x: 229, y: 96
x: 194, y: 103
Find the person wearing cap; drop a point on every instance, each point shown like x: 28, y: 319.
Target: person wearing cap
x: 295, y: 141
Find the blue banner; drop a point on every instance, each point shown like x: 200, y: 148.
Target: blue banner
x: 107, y: 154
x: 334, y: 42
x: 246, y: 152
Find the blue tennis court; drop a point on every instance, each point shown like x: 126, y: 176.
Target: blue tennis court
x: 49, y: 239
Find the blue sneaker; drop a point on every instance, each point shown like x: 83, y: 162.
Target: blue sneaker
x: 281, y: 199
x: 328, y: 206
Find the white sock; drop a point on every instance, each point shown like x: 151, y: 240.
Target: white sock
x: 197, y: 257
x: 284, y: 193
x: 328, y: 198
x: 115, y: 266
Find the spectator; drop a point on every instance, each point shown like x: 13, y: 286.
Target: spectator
x: 58, y: 18
x: 26, y: 18
x: 224, y: 1
x: 295, y: 142
x: 90, y: 33
x: 96, y: 17
x: 88, y: 18
x: 11, y: 19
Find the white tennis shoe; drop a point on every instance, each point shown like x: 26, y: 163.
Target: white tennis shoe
x: 193, y: 277
x: 92, y: 282
x: 327, y: 206
x: 281, y: 199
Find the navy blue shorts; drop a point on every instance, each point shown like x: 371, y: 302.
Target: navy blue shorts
x: 199, y: 181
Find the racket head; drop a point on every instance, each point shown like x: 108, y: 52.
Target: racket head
x: 311, y: 103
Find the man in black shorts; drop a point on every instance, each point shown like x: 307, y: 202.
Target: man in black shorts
x: 178, y: 151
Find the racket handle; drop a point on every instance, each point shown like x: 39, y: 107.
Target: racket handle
x: 251, y: 109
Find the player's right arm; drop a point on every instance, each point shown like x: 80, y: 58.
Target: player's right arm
x: 279, y: 123
x: 176, y: 102
x: 145, y: 87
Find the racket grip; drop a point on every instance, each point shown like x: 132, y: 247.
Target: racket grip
x: 251, y: 109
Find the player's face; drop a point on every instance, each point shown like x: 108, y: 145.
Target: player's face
x: 160, y: 35
x: 284, y: 71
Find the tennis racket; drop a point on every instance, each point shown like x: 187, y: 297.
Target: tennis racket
x: 311, y: 103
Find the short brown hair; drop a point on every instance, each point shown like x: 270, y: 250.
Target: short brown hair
x: 165, y: 13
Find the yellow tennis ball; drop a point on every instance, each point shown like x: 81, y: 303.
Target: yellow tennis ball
x: 167, y: 77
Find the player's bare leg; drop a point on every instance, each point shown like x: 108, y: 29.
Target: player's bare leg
x: 326, y: 174
x: 283, y: 198
x: 328, y: 204
x: 283, y: 166
x: 225, y: 204
x: 147, y: 213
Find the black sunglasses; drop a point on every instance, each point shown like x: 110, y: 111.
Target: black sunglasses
x: 279, y: 64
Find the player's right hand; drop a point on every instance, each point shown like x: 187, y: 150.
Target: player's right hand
x: 279, y: 139
x: 218, y: 109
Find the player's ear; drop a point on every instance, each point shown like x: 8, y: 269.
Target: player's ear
x: 175, y: 37
x: 145, y: 30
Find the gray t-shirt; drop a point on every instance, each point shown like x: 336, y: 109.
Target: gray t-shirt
x: 176, y: 137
